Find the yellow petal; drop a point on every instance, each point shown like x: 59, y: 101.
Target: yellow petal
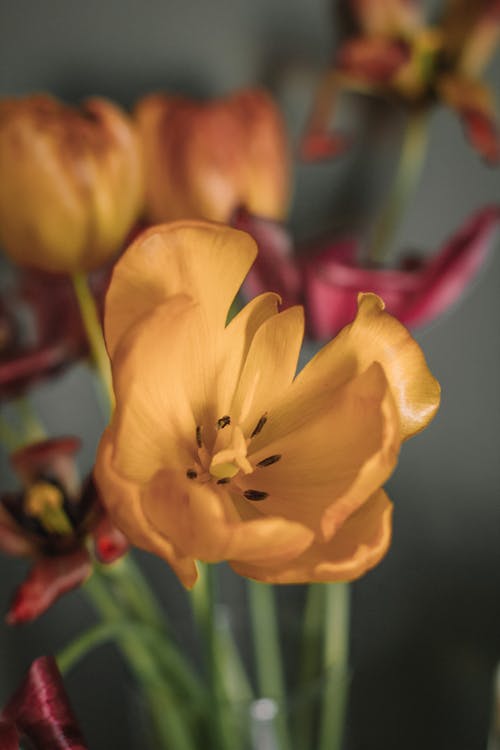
x: 270, y: 366
x: 123, y: 503
x: 207, y: 524
x: 206, y: 261
x: 375, y: 336
x: 358, y: 546
x: 335, y: 451
x: 163, y: 373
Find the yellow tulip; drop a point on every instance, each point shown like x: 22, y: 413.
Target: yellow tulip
x: 216, y: 451
x: 202, y: 160
x: 71, y: 183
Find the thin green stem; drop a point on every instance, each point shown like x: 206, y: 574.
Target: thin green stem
x: 266, y: 640
x: 310, y: 669
x: 32, y: 427
x: 9, y: 437
x: 335, y: 660
x: 93, y: 329
x: 169, y: 720
x: 408, y: 172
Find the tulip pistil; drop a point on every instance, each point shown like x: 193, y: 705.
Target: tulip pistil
x: 44, y: 501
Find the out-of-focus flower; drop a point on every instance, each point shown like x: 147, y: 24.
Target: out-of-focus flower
x: 71, y: 184
x: 49, y: 520
x: 215, y: 452
x: 393, y: 53
x: 202, y: 159
x: 328, y: 279
x: 40, y: 712
x: 43, y: 331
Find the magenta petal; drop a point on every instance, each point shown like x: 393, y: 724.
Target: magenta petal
x: 41, y: 711
x: 274, y: 269
x: 48, y: 579
x: 9, y: 738
x: 448, y: 274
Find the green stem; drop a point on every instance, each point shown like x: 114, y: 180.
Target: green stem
x: 10, y: 438
x: 92, y: 325
x: 170, y: 722
x: 310, y: 672
x: 32, y: 427
x: 335, y: 659
x: 409, y: 168
x: 268, y: 653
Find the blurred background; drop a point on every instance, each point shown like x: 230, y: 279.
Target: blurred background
x: 426, y: 622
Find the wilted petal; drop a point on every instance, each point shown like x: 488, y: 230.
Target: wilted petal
x: 372, y: 60
x: 274, y: 268
x: 386, y: 17
x: 9, y: 738
x: 448, y: 273
x: 205, y: 261
x: 48, y: 579
x: 12, y: 540
x: 470, y: 33
x: 54, y: 457
x: 356, y: 548
x: 109, y: 542
x: 40, y: 709
x: 474, y: 103
x: 23, y: 370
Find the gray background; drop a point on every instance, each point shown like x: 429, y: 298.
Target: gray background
x: 426, y: 622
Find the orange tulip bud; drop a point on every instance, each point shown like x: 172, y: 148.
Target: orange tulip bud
x: 71, y: 182
x: 205, y: 159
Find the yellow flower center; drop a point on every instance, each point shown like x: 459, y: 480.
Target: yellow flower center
x: 228, y: 458
x: 45, y: 502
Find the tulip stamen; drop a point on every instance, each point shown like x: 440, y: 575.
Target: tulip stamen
x: 255, y: 495
x: 224, y: 480
x: 223, y: 422
x: 269, y: 461
x: 198, y: 436
x: 191, y: 474
x: 260, y: 424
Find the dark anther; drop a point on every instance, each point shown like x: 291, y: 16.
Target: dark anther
x: 260, y: 424
x: 198, y: 436
x: 191, y: 474
x: 223, y: 422
x: 255, y: 495
x: 269, y: 460
x: 224, y: 480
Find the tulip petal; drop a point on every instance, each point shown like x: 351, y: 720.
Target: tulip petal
x: 123, y: 502
x: 375, y: 335
x: 206, y: 523
x: 207, y: 262
x: 41, y: 710
x: 357, y: 547
x: 387, y: 17
x: 446, y: 276
x: 269, y: 367
x: 336, y: 448
x: 470, y: 33
x: 474, y: 103
x: 109, y: 542
x: 9, y: 738
x: 12, y: 540
x: 372, y: 60
x: 48, y: 579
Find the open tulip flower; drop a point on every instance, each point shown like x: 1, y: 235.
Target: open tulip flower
x: 393, y: 53
x: 40, y: 712
x: 71, y: 183
x: 328, y: 279
x: 42, y: 328
x: 202, y: 159
x: 49, y: 521
x: 216, y: 451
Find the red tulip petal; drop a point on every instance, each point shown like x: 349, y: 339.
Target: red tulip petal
x: 372, y: 60
x: 9, y: 738
x: 482, y: 132
x: 274, y: 269
x: 48, y: 579
x: 42, y: 712
x: 319, y: 146
x: 109, y: 542
x: 453, y: 268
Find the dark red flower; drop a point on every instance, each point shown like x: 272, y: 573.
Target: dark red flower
x: 332, y: 275
x: 50, y: 520
x: 40, y: 712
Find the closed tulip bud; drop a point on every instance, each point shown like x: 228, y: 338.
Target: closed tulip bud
x: 203, y: 159
x: 71, y: 183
